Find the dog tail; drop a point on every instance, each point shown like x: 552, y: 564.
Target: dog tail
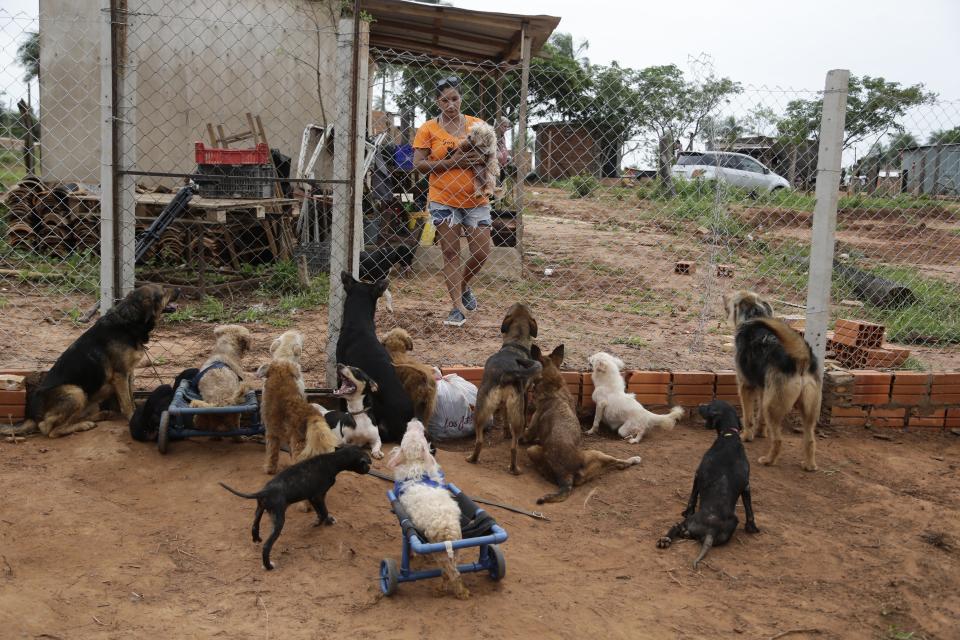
x: 28, y: 426
x: 669, y: 420
x: 252, y: 496
x: 320, y: 439
x: 707, y: 544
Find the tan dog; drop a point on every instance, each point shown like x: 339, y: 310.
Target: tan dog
x: 482, y: 139
x: 776, y: 370
x: 506, y: 376
x: 555, y: 428
x: 289, y: 419
x: 417, y: 378
x: 289, y: 346
x: 221, y: 378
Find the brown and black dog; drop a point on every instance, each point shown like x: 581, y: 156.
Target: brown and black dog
x: 776, y: 370
x: 98, y: 366
x: 556, y: 429
x: 417, y: 378
x: 506, y: 376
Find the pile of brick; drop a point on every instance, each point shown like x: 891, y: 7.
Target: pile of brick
x: 859, y: 345
x: 13, y: 396
x: 901, y: 399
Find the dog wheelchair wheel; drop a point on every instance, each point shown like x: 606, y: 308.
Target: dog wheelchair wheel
x: 389, y: 576
x: 497, y: 563
x: 163, y: 434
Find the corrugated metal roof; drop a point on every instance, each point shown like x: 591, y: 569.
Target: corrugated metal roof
x: 475, y: 36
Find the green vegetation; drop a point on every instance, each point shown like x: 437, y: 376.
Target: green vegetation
x: 634, y: 342
x: 582, y: 186
x: 12, y: 171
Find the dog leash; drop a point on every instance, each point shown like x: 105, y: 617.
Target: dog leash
x: 533, y: 514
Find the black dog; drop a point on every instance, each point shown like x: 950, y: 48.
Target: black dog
x: 722, y: 478
x: 376, y: 265
x: 308, y: 480
x: 145, y: 422
x: 358, y: 346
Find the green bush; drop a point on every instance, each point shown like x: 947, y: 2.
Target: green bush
x: 583, y: 186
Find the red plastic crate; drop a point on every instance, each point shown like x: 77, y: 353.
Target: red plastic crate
x: 258, y: 155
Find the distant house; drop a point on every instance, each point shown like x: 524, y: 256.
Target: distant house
x: 795, y: 162
x: 565, y: 149
x: 932, y: 169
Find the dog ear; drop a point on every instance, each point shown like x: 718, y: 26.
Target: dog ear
x: 219, y: 330
x: 535, y: 352
x: 380, y: 286
x: 620, y: 363
x: 263, y: 371
x: 274, y: 345
x: 347, y: 279
x: 246, y: 342
x: 505, y: 325
x: 533, y: 327
x: 557, y: 355
x: 767, y: 307
x: 408, y: 342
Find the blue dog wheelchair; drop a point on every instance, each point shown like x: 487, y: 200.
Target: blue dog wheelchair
x: 479, y: 530
x: 173, y: 427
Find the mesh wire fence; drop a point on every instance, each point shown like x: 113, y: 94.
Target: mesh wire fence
x: 622, y: 212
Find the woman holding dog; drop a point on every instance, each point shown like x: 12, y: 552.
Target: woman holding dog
x: 452, y: 204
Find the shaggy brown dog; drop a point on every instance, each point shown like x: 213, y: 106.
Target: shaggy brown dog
x: 220, y: 381
x: 417, y: 378
x: 506, y: 376
x: 482, y: 139
x: 289, y: 418
x: 97, y: 367
x: 776, y: 370
x: 555, y: 427
x: 289, y: 346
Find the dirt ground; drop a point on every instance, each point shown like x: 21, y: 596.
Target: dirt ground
x: 102, y: 537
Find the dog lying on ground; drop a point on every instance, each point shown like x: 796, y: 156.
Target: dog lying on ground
x: 288, y: 417
x: 506, y: 376
x: 417, y: 378
x: 722, y: 478
x: 482, y: 139
x: 776, y: 370
x: 97, y: 367
x: 619, y: 409
x: 555, y: 428
x: 220, y: 380
x: 358, y: 346
x: 354, y: 385
x: 309, y: 480
x: 421, y: 489
x: 145, y: 422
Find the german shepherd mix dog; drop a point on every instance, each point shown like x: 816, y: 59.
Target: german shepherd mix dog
x: 416, y: 377
x: 776, y: 369
x: 359, y: 347
x: 556, y: 429
x: 98, y: 366
x: 722, y: 478
x: 506, y: 376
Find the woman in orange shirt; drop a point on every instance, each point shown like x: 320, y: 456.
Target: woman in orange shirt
x: 452, y: 203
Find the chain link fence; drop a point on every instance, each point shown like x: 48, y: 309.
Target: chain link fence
x: 628, y: 201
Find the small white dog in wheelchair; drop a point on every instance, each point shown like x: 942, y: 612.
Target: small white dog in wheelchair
x: 618, y: 409
x: 421, y: 489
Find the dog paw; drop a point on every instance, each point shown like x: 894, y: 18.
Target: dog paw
x: 463, y: 594
x: 305, y: 507
x: 809, y: 467
x: 764, y: 460
x: 269, y: 566
x: 590, y: 432
x: 472, y: 459
x: 751, y: 527
x: 377, y: 454
x: 330, y: 520
x: 515, y: 471
x: 664, y: 542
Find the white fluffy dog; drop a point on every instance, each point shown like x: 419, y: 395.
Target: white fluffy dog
x: 421, y: 489
x: 619, y: 409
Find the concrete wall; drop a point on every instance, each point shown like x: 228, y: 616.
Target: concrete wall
x: 189, y: 63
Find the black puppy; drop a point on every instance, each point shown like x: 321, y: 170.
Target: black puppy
x: 308, y: 480
x: 145, y: 422
x: 376, y: 265
x: 358, y: 346
x: 722, y: 478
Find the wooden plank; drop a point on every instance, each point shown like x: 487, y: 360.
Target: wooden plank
x: 213, y: 136
x: 223, y: 138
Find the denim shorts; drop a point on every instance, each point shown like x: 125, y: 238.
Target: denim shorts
x: 445, y: 214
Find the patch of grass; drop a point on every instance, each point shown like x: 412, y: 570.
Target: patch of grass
x: 913, y: 364
x: 634, y: 342
x: 583, y: 186
x: 895, y: 633
x: 12, y: 169
x: 601, y: 268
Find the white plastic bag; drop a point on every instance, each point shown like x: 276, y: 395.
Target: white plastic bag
x: 456, y: 399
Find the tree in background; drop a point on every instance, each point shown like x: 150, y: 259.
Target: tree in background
x: 945, y: 136
x: 874, y: 109
x: 28, y: 56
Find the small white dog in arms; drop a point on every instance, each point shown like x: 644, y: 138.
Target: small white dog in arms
x: 354, y: 384
x: 618, y: 409
x: 422, y: 490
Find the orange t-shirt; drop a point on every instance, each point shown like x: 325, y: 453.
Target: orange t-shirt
x: 453, y: 187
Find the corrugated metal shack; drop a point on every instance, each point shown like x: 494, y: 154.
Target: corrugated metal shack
x: 931, y: 169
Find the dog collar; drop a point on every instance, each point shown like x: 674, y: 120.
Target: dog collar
x: 731, y: 431
x: 358, y: 413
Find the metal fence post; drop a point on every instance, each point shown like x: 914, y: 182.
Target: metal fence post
x: 825, y: 211
x: 107, y: 283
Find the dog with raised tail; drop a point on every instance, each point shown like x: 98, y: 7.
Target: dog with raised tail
x: 618, y: 409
